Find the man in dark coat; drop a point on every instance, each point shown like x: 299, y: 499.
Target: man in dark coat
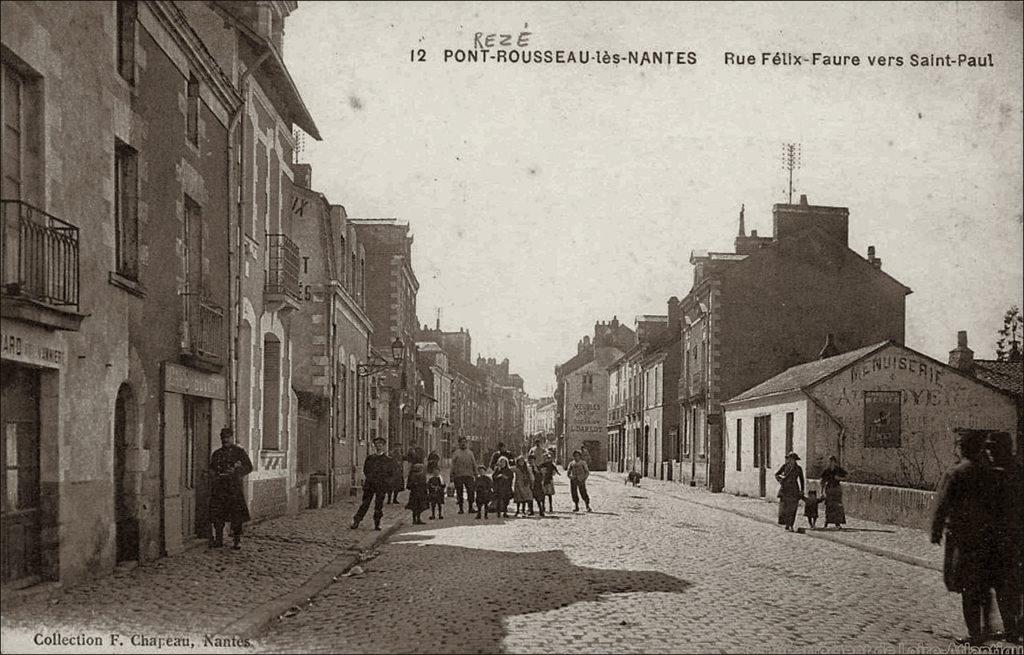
x: 377, y: 471
x: 228, y: 465
x: 1010, y: 528
x: 500, y: 452
x: 967, y: 508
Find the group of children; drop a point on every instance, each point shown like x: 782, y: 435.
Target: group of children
x: 527, y: 482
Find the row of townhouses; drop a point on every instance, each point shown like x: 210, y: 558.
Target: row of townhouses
x: 790, y: 342
x: 170, y: 270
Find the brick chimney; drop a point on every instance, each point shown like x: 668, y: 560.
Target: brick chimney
x: 673, y: 313
x: 874, y: 261
x: 794, y: 220
x: 829, y: 349
x: 962, y: 358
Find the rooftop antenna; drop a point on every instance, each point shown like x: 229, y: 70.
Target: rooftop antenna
x: 300, y: 143
x: 790, y: 162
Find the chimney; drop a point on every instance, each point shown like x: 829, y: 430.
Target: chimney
x: 829, y: 349
x: 962, y: 358
x: 803, y: 199
x: 303, y: 174
x: 743, y: 229
x: 753, y: 233
x: 874, y: 261
x: 673, y: 313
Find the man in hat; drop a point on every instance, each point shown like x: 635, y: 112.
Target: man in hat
x: 967, y: 508
x: 228, y: 465
x: 377, y: 471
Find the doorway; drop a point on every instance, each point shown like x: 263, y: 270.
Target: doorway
x: 126, y: 526
x: 195, y: 487
x: 762, y: 451
x: 19, y: 458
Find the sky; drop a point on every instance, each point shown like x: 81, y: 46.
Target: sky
x: 546, y: 197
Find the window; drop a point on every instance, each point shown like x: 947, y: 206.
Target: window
x: 271, y: 393
x: 701, y: 435
x: 587, y: 382
x: 127, y: 11
x: 13, y: 133
x: 762, y: 441
x: 192, y: 122
x: 739, y: 444
x: 789, y: 432
x: 192, y: 256
x: 126, y: 212
x: 882, y: 419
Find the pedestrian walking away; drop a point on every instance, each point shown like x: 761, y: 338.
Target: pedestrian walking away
x: 790, y: 477
x: 1010, y: 530
x: 418, y: 500
x: 484, y: 491
x: 967, y: 510
x: 463, y: 473
x: 538, y: 484
x: 397, y: 480
x: 548, y: 471
x: 835, y: 512
x: 228, y: 465
x: 435, y: 492
x: 502, y: 479
x: 578, y: 472
x: 377, y: 471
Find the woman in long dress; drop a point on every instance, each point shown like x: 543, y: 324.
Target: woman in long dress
x: 791, y: 489
x: 835, y: 513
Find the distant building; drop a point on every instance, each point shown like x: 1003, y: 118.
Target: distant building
x: 581, y: 394
x: 769, y: 305
x: 886, y: 412
x: 391, y: 288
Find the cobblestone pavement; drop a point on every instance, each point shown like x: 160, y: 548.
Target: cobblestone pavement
x: 644, y: 573
x: 893, y: 538
x: 199, y: 591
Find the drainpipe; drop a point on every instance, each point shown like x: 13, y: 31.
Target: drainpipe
x: 235, y: 292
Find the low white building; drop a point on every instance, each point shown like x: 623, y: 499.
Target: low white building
x: 888, y: 413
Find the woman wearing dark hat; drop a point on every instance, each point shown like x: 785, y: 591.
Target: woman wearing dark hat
x: 791, y: 489
x: 835, y: 513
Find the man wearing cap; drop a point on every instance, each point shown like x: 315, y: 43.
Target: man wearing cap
x: 377, y: 471
x: 968, y: 507
x: 228, y: 465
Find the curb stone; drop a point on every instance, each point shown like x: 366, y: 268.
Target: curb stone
x: 259, y: 617
x: 827, y: 536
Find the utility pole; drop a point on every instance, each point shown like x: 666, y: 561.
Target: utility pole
x: 790, y: 162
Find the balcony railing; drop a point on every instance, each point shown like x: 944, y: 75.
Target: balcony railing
x: 283, y: 266
x: 40, y: 256
x: 204, y: 328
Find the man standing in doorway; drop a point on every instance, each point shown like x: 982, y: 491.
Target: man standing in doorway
x: 377, y: 470
x: 463, y: 473
x: 228, y: 465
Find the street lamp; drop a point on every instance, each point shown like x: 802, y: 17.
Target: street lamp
x: 381, y: 363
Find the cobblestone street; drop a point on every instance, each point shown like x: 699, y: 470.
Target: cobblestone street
x: 645, y: 572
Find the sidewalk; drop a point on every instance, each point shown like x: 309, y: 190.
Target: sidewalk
x: 204, y: 591
x: 894, y: 542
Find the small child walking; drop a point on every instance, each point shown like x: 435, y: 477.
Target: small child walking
x: 484, y: 490
x: 435, y: 492
x: 811, y: 503
x: 502, y: 478
x: 548, y: 471
x: 523, y: 486
x: 417, y: 486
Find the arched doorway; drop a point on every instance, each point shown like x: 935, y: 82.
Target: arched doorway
x: 126, y: 525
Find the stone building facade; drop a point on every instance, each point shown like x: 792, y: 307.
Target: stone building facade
x: 768, y: 306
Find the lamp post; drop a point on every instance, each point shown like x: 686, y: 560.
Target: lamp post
x: 381, y: 363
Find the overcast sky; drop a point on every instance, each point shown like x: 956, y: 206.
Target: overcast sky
x: 546, y: 197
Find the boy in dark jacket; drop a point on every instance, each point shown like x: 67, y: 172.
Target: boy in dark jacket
x: 503, y: 477
x: 435, y: 492
x: 484, y: 490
